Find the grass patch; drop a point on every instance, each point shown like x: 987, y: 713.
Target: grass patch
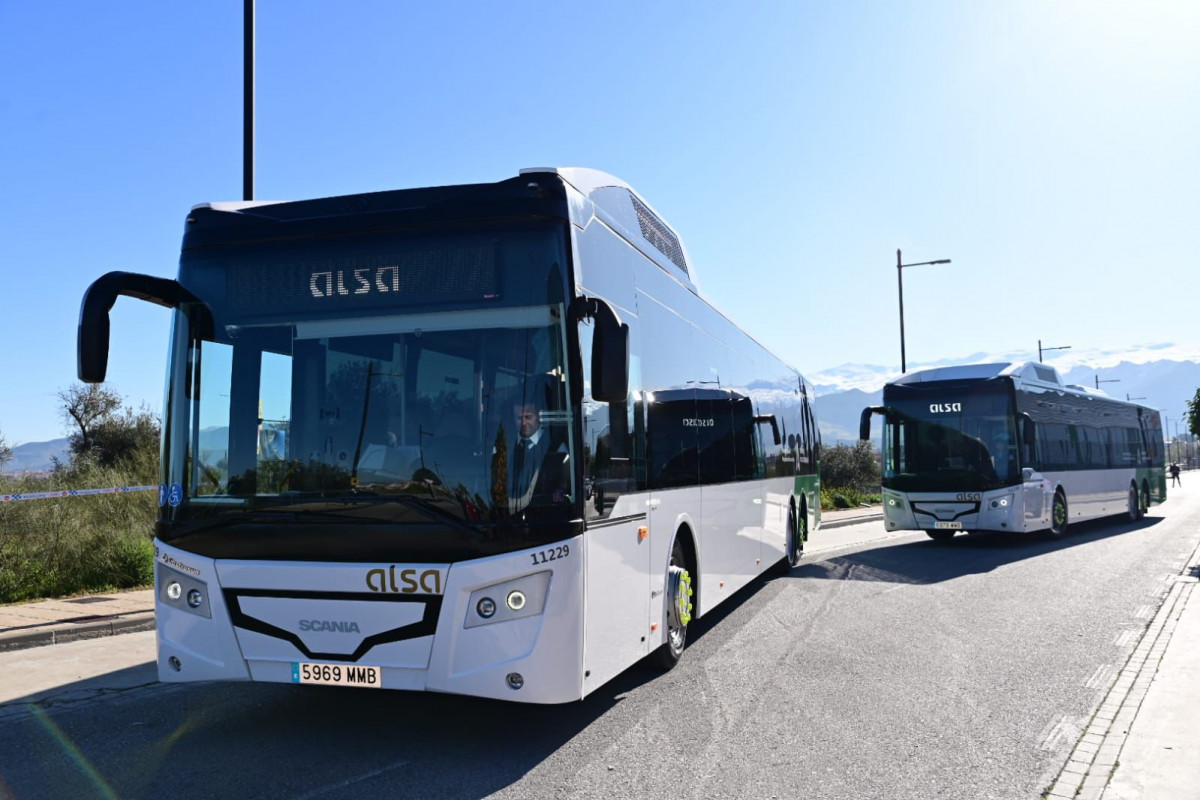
x: 72, y: 545
x: 843, y: 497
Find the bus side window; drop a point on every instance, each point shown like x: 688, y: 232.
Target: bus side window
x: 716, y: 440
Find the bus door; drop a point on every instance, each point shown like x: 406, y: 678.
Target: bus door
x: 1032, y: 482
x: 617, y: 541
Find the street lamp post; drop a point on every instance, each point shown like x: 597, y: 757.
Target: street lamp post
x: 248, y: 100
x: 1040, y: 349
x: 900, y: 283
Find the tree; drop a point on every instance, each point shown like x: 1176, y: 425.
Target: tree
x: 850, y: 467
x: 1194, y: 414
x: 6, y: 453
x: 84, y: 407
x: 105, y: 433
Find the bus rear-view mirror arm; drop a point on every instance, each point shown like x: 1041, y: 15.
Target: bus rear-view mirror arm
x: 98, y: 300
x: 610, y: 349
x: 769, y: 419
x: 864, y: 422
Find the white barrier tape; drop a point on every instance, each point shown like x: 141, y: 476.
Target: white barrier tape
x: 12, y: 498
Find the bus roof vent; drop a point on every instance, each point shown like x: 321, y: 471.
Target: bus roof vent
x: 659, y: 235
x: 1045, y: 373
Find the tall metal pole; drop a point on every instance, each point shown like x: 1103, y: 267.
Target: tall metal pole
x: 248, y: 101
x: 1040, y: 352
x: 900, y: 283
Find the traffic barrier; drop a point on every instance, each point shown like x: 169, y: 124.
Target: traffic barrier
x: 12, y: 498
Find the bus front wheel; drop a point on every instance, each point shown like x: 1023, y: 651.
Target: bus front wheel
x: 679, y: 608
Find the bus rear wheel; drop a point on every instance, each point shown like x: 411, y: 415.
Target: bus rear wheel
x: 679, y: 609
x: 1058, y: 515
x: 797, y: 534
x: 1135, y: 503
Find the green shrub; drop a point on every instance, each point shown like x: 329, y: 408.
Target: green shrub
x: 69, y: 545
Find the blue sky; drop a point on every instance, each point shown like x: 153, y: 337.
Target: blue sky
x: 1048, y: 148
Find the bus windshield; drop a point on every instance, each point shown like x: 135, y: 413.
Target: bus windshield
x: 428, y: 405
x: 949, y: 440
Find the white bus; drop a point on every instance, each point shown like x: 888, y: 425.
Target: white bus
x: 483, y: 439
x: 1010, y: 447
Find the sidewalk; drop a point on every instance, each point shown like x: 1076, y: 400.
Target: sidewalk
x: 1143, y: 743
x: 839, y: 517
x: 55, y: 621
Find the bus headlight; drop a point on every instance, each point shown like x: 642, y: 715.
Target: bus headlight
x: 523, y: 597
x: 182, y: 591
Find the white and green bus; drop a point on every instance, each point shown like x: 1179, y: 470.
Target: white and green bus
x: 1011, y: 448
x: 486, y: 439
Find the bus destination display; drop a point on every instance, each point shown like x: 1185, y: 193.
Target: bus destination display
x: 455, y: 273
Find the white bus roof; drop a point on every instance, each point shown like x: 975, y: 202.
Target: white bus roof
x: 1029, y: 373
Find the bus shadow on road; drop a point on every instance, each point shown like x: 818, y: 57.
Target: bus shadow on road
x: 927, y: 561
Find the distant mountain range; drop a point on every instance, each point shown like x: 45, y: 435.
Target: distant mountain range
x: 1161, y: 376
x: 37, y: 456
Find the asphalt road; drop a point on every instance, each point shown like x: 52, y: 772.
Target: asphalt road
x: 885, y: 666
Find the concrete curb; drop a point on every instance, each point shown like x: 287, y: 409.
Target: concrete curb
x: 841, y: 523
x: 74, y: 631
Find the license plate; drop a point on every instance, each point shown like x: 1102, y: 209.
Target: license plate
x: 338, y: 675
x: 955, y: 526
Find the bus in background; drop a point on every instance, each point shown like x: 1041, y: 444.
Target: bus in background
x: 486, y: 439
x: 1010, y: 447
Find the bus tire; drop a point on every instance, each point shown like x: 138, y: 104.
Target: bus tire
x: 796, y: 530
x: 1058, y: 515
x: 1135, y: 503
x: 1145, y: 498
x: 941, y: 535
x: 679, y: 608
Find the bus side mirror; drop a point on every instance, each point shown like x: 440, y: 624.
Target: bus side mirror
x: 864, y: 422
x: 98, y: 300
x: 610, y: 350
x: 769, y: 419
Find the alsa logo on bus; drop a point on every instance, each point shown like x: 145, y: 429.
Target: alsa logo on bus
x: 945, y: 408
x: 331, y: 282
x: 412, y: 581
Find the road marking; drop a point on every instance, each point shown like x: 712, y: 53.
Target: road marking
x: 1064, y: 731
x: 1101, y: 677
x: 366, y: 776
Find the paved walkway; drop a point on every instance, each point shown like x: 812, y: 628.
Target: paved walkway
x: 1142, y: 744
x: 55, y: 621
